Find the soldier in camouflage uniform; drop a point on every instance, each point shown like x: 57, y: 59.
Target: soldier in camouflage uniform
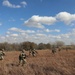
x: 53, y: 50
x: 22, y: 58
x: 34, y: 52
x: 2, y: 54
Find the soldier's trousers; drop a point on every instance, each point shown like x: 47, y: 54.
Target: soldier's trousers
x: 23, y: 61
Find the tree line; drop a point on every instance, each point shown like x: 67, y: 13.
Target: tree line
x: 31, y: 45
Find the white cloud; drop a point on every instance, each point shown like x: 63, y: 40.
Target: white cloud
x: 72, y: 34
x: 54, y: 37
x: 33, y: 24
x: 14, y: 35
x: 8, y: 32
x: 66, y: 17
x: 41, y: 35
x: 29, y: 31
x: 20, y: 30
x: 57, y: 30
x: 2, y: 37
x: 73, y: 29
x: 25, y: 35
x: 24, y: 3
x: 7, y: 36
x: 37, y: 37
x: 8, y: 4
x: 15, y: 29
x: 65, y: 35
x: 48, y: 30
x: 38, y: 21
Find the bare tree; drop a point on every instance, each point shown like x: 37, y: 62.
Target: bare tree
x: 59, y: 43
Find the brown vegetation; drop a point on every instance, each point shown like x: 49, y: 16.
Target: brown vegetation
x: 45, y: 63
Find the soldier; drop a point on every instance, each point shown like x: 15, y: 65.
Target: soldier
x: 2, y: 54
x: 22, y: 58
x: 34, y: 52
x: 53, y: 50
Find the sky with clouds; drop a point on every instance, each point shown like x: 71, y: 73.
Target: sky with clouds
x: 39, y: 21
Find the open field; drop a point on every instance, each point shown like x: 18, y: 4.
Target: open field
x: 45, y: 63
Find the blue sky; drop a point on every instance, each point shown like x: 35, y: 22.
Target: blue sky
x: 37, y: 21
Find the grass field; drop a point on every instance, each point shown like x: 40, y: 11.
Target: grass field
x: 45, y: 63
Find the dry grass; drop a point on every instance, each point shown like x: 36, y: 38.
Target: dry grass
x: 45, y: 63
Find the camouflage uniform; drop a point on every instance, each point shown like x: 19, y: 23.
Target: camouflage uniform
x: 22, y: 58
x: 2, y: 54
x: 53, y: 50
x: 34, y: 52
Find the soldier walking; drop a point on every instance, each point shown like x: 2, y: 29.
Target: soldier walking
x: 34, y: 52
x: 22, y: 58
